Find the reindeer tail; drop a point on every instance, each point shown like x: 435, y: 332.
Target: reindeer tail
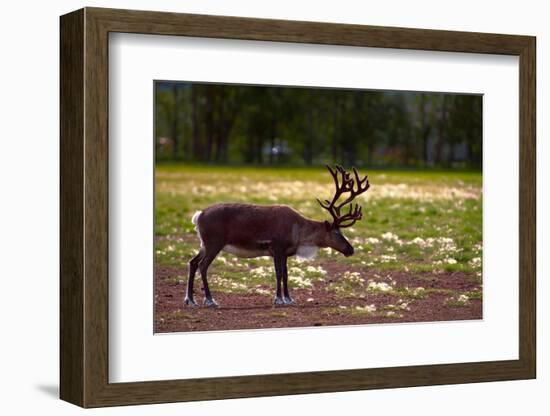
x: 195, y: 217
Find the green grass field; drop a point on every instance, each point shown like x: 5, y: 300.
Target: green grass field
x: 419, y: 223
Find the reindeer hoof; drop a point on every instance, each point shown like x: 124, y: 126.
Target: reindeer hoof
x: 278, y: 301
x: 210, y: 303
x: 289, y: 301
x: 190, y: 302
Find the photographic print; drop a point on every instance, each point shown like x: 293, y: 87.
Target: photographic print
x: 329, y: 186
x: 279, y: 207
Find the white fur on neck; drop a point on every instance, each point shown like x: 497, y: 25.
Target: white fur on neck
x: 306, y: 252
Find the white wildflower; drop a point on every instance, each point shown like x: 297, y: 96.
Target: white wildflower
x: 389, y: 236
x: 463, y: 298
x: 418, y: 291
x: 222, y: 260
x: 403, y: 305
x: 237, y: 285
x: 296, y: 271
x: 475, y: 262
x: 260, y: 271
x: 354, y: 277
x: 379, y: 286
x: 318, y: 270
x: 300, y: 281
x: 386, y: 258
x: 367, y: 308
x: 421, y: 242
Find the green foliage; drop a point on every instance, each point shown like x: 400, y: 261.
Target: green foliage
x: 260, y: 125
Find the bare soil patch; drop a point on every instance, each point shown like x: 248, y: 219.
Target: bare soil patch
x: 315, y: 306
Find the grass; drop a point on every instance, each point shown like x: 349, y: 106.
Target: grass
x: 413, y: 222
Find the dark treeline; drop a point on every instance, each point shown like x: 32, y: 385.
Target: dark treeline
x: 239, y: 124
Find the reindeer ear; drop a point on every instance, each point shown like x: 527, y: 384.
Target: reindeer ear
x: 328, y: 225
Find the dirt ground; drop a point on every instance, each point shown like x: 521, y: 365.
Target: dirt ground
x: 316, y: 306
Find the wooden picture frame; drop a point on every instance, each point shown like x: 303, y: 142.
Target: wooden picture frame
x: 84, y: 207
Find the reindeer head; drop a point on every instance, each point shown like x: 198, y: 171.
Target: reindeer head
x: 344, y: 183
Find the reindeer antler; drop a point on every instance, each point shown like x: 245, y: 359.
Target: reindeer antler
x: 345, y: 183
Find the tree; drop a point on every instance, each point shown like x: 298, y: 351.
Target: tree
x: 217, y: 123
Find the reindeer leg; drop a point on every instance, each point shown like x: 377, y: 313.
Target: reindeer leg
x: 286, y: 297
x: 209, y: 255
x: 280, y: 264
x: 193, y: 265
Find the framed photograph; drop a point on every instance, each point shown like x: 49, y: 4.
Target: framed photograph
x: 255, y: 207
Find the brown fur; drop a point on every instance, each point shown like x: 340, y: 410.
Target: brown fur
x: 251, y: 226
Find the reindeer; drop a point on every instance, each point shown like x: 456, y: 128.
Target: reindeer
x: 275, y: 230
